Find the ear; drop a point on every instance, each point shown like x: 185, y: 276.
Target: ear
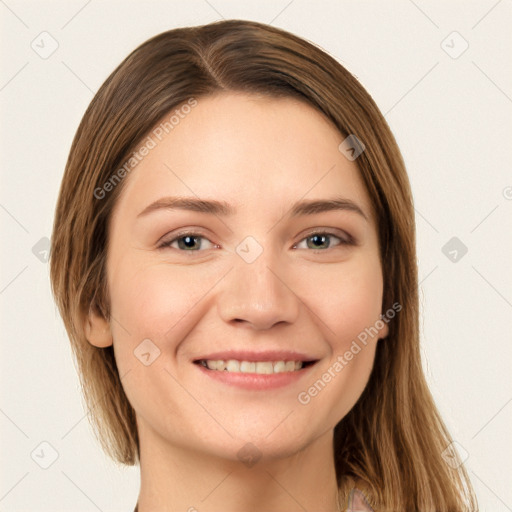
x: 97, y: 330
x: 384, y: 332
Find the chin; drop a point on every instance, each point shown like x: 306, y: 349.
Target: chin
x: 258, y: 446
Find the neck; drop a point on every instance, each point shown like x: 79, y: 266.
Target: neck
x: 177, y: 478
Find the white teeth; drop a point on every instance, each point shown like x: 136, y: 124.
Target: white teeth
x: 214, y: 365
x: 233, y: 366
x: 291, y: 365
x: 247, y: 367
x: 266, y: 367
x: 261, y: 367
x: 280, y: 366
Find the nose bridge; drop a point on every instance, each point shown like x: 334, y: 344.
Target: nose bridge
x: 256, y: 291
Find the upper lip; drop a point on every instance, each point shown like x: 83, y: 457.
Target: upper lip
x: 248, y: 355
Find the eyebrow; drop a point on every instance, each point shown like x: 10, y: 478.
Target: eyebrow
x: 221, y: 208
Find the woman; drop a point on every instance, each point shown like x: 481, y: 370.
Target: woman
x: 234, y: 259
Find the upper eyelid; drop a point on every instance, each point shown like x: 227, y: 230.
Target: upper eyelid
x: 328, y: 231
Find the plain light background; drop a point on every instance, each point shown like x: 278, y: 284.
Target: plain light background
x: 450, y: 109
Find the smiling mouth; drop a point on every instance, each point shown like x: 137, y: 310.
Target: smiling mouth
x: 257, y: 367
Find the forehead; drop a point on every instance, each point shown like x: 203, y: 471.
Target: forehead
x: 249, y: 150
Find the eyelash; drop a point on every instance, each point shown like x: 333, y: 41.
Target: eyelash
x: 342, y: 242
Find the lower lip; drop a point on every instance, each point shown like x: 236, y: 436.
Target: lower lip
x: 256, y: 381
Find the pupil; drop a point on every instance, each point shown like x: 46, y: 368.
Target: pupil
x: 188, y: 241
x: 316, y: 237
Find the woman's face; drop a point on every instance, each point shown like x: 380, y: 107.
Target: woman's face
x: 257, y: 280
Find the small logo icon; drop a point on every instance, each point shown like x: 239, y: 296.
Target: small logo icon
x: 507, y: 193
x: 44, y: 45
x: 351, y: 147
x: 147, y: 352
x: 249, y: 455
x: 454, y: 45
x: 454, y: 249
x: 455, y: 455
x: 41, y: 249
x: 44, y: 455
x: 249, y: 249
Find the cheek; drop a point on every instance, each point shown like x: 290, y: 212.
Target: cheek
x: 347, y: 300
x: 352, y: 306
x: 154, y: 300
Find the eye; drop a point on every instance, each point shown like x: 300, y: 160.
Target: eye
x: 191, y: 241
x: 187, y: 242
x: 321, y: 240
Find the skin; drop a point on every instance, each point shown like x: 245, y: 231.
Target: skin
x: 260, y: 155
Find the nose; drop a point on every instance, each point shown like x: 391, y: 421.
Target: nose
x: 258, y: 295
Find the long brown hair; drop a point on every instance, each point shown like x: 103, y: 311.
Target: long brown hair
x: 393, y: 439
